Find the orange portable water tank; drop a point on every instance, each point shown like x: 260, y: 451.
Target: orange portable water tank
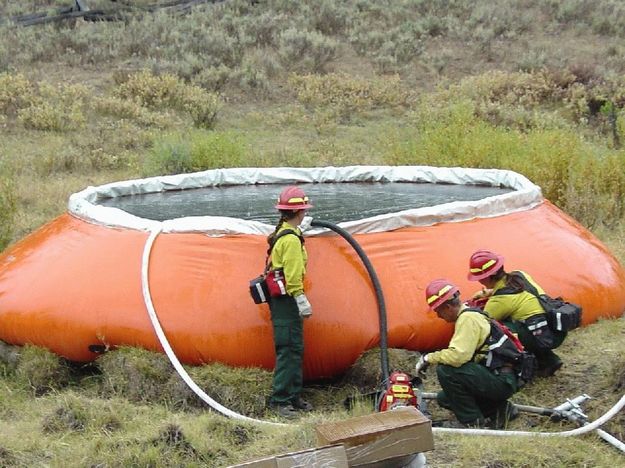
x: 76, y: 281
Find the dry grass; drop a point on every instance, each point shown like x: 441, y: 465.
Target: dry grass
x: 132, y: 409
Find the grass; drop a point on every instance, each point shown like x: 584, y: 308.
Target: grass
x: 125, y: 411
x: 522, y: 86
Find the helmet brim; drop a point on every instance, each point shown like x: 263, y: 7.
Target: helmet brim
x: 444, y: 298
x: 306, y: 206
x: 486, y: 274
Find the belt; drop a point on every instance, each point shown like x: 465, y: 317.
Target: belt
x: 506, y: 370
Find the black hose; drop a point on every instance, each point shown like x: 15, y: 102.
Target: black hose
x: 376, y: 286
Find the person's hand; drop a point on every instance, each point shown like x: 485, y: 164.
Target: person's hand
x: 482, y: 293
x: 479, y: 299
x: 304, y: 307
x: 422, y: 364
x: 305, y: 224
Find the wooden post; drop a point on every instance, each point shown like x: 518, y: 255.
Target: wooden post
x: 81, y: 5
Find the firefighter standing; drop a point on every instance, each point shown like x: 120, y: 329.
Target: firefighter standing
x: 475, y: 394
x: 289, y: 310
x: 517, y: 308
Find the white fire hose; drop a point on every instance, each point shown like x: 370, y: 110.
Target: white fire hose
x: 145, y: 286
x: 587, y: 427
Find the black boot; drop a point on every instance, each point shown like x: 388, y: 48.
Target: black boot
x: 302, y: 405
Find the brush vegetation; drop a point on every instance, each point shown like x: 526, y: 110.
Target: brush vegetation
x: 535, y: 86
x: 130, y: 408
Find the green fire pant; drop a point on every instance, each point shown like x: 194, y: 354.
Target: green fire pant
x: 472, y: 392
x: 545, y: 358
x: 288, y: 337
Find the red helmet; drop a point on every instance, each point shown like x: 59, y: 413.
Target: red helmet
x: 483, y: 264
x: 439, y: 291
x: 293, y: 198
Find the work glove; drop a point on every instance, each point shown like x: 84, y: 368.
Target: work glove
x: 479, y: 299
x: 304, y: 307
x: 305, y: 224
x: 422, y: 364
x: 482, y: 293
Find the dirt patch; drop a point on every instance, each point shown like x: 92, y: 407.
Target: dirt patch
x: 366, y: 373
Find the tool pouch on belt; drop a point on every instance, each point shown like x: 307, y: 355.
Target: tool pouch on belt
x: 562, y: 316
x: 538, y: 326
x: 258, y: 290
x: 276, y: 283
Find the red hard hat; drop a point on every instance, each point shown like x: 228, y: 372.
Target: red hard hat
x: 439, y: 291
x: 293, y: 198
x: 483, y: 264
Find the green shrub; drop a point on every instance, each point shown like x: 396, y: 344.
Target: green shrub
x: 8, y: 206
x: 391, y: 47
x: 330, y: 17
x: 16, y: 93
x: 346, y: 96
x: 55, y: 108
x: 306, y: 51
x: 585, y: 181
x: 257, y: 67
x: 239, y: 389
x: 136, y: 374
x: 130, y: 109
x: 169, y: 92
x: 150, y: 90
x: 367, y: 41
x: 78, y: 414
x: 196, y: 151
x: 9, y: 357
x: 41, y: 370
x: 200, y: 105
x: 70, y: 416
x: 213, y: 78
x: 217, y: 47
x: 252, y: 78
x: 4, y: 50
x: 148, y: 377
x: 264, y: 29
x: 501, y: 18
x: 533, y: 60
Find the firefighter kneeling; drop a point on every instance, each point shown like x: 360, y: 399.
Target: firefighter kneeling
x: 476, y: 394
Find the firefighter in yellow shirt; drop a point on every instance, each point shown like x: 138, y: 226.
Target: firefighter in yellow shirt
x: 518, y: 309
x: 288, y: 255
x: 476, y: 394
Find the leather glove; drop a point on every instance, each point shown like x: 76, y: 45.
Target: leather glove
x: 482, y: 293
x: 305, y: 309
x: 305, y: 224
x: 422, y: 364
x: 479, y: 299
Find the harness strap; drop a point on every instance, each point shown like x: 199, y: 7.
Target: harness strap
x: 527, y: 286
x: 273, y: 243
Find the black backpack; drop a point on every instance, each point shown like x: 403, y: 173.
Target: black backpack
x: 562, y: 316
x: 505, y: 349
